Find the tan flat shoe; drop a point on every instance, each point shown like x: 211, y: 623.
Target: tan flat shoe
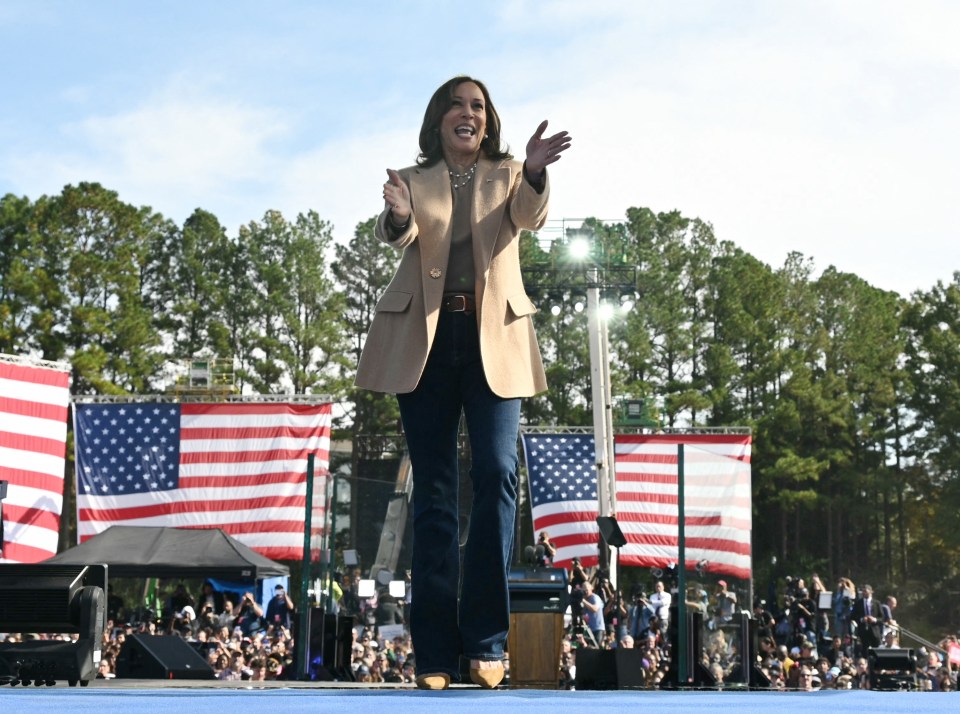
x: 433, y: 681
x: 488, y: 677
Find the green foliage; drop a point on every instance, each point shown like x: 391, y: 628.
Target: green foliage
x: 363, y: 268
x: 852, y: 392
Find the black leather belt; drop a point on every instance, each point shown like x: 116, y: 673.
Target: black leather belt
x: 459, y: 303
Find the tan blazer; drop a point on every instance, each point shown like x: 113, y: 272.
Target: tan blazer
x: 402, y: 332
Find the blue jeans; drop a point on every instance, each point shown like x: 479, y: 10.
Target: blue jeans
x: 451, y: 616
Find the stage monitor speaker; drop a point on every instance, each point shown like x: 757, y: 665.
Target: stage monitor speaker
x: 161, y: 657
x: 609, y: 669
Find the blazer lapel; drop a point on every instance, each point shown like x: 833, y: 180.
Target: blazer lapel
x: 489, y: 202
x: 433, y: 206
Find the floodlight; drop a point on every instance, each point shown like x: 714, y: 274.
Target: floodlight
x: 579, y: 300
x: 579, y: 247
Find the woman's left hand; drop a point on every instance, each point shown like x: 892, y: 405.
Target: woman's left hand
x: 542, y: 152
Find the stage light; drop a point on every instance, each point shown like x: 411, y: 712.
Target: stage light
x: 627, y: 301
x: 579, y: 300
x: 556, y: 303
x: 579, y: 247
x: 605, y: 311
x: 366, y: 588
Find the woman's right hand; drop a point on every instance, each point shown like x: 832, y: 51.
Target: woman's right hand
x: 397, y: 196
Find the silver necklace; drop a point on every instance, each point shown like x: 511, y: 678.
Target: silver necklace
x: 461, y: 180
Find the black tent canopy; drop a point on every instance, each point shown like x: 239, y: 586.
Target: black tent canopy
x: 155, y: 552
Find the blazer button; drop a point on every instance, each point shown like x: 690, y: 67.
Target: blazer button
x: 435, y: 273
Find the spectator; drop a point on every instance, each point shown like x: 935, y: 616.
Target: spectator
x: 886, y: 615
x: 388, y: 610
x: 661, y: 599
x: 250, y: 615
x: 640, y: 613
x: 866, y: 613
x: 546, y: 551
x: 178, y: 600
x: 280, y: 609
x: 843, y: 599
x: 726, y: 604
x: 809, y: 680
x: 227, y: 616
x: 210, y: 600
x: 593, y: 613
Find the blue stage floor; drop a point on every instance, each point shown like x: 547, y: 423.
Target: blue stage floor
x: 104, y: 700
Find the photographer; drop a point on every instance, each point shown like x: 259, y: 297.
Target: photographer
x: 280, y: 609
x: 249, y: 617
x: 641, y: 611
x: 546, y: 551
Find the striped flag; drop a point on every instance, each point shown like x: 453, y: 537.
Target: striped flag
x: 34, y: 397
x: 238, y: 466
x: 562, y: 477
x: 717, y: 500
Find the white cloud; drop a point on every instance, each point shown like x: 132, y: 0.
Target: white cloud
x: 815, y: 126
x: 178, y: 149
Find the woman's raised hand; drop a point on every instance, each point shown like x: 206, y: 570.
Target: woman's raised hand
x: 541, y: 152
x: 397, y: 196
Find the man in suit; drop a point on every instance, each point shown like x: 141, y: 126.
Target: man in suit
x: 867, y: 615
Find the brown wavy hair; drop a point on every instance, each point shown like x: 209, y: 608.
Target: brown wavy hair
x: 431, y: 150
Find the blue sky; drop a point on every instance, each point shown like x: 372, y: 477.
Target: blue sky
x: 823, y: 127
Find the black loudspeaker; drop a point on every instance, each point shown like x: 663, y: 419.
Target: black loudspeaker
x: 609, y: 669
x: 747, y: 671
x: 161, y: 657
x: 331, y: 639
x: 40, y: 597
x: 893, y: 668
x: 697, y: 674
x: 610, y: 531
x: 596, y: 669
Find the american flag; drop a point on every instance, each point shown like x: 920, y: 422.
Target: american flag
x: 562, y: 481
x: 562, y: 477
x: 717, y: 500
x: 34, y: 397
x: 238, y: 466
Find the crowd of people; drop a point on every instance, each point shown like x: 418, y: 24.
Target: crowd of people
x: 801, y: 644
